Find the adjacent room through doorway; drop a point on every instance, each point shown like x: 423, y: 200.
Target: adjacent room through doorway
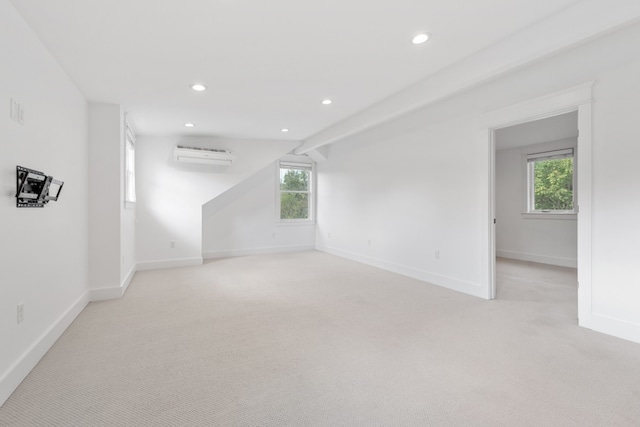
x: 536, y: 211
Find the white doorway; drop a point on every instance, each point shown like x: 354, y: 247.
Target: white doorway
x: 535, y: 199
x: 575, y: 100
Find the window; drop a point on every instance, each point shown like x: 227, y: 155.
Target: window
x: 550, y: 182
x: 129, y: 165
x: 295, y: 197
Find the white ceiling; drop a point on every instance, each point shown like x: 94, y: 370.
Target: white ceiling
x: 267, y: 64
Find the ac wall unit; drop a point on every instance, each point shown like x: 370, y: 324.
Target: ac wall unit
x: 203, y: 156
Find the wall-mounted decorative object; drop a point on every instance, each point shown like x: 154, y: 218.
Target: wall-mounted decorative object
x: 35, y: 189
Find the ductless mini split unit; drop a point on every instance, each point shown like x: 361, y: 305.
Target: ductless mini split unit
x: 203, y: 156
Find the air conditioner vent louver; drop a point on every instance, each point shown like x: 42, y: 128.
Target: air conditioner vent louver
x: 204, y: 156
x: 215, y: 150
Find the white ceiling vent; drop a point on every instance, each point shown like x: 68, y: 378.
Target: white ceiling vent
x: 203, y: 156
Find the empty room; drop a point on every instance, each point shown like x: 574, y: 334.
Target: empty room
x: 334, y: 214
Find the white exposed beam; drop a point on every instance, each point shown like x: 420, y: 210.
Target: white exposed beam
x: 582, y: 21
x: 320, y: 154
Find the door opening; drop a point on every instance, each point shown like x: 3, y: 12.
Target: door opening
x: 576, y: 100
x: 536, y: 193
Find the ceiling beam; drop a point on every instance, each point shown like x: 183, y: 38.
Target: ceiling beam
x: 571, y: 26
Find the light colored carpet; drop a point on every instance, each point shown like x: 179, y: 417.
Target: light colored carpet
x: 308, y: 339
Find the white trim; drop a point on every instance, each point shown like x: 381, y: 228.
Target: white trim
x: 128, y: 278
x: 12, y: 378
x: 611, y: 326
x: 553, y: 104
x: 103, y: 294
x: 555, y: 215
x: 469, y: 288
x: 585, y: 254
x: 491, y: 270
x: 550, y: 155
x: 542, y: 259
x: 297, y: 166
x: 169, y: 263
x: 574, y: 98
x: 294, y: 223
x: 256, y: 251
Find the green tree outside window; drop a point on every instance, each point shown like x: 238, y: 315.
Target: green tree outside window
x: 553, y: 185
x: 294, y: 193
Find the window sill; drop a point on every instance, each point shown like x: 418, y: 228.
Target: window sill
x: 545, y: 215
x: 294, y: 223
x: 129, y: 205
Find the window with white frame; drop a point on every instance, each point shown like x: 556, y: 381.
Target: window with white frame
x: 295, y: 192
x: 129, y: 165
x: 551, y: 182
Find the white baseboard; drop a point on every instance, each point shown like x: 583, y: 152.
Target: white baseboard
x: 169, y: 263
x: 103, y: 294
x: 115, y: 292
x: 611, y: 326
x: 128, y: 278
x: 542, y: 259
x: 256, y: 251
x: 11, y: 379
x: 425, y: 276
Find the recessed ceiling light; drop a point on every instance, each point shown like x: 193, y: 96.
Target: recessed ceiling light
x: 327, y: 102
x: 198, y: 87
x: 189, y: 125
x: 284, y: 130
x: 421, y: 38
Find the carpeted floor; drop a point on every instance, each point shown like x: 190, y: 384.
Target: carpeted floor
x: 308, y: 339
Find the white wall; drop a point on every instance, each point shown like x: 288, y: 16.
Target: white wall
x: 242, y: 221
x: 171, y: 195
x: 546, y: 240
x: 43, y: 257
x: 105, y: 126
x: 111, y: 224
x: 616, y: 199
x: 395, y: 196
x: 420, y: 183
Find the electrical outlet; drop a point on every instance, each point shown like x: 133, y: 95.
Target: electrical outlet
x: 172, y: 244
x: 20, y: 312
x: 437, y: 254
x: 273, y: 235
x: 328, y: 235
x: 369, y: 242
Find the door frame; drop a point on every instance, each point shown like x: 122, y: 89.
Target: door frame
x: 577, y: 98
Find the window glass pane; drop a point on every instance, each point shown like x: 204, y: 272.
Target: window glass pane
x: 294, y: 205
x: 553, y: 185
x: 294, y: 180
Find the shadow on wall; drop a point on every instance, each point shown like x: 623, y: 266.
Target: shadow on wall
x: 171, y: 194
